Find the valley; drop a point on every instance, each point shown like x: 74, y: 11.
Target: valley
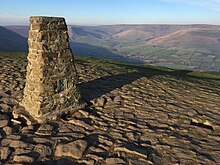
x: 190, y: 47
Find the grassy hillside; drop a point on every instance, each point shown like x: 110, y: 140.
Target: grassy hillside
x: 118, y: 67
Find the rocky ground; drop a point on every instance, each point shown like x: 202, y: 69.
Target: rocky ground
x: 136, y: 115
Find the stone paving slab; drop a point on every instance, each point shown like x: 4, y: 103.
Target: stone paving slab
x: 135, y: 116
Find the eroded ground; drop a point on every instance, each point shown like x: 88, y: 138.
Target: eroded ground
x: 136, y: 115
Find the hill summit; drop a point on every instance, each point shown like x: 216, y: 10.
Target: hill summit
x: 135, y: 115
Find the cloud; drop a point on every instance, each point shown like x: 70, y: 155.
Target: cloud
x: 209, y: 4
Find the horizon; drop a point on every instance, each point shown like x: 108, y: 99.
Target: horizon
x: 113, y: 12
x: 171, y: 24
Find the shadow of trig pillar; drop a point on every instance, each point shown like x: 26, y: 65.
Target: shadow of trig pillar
x: 51, y: 78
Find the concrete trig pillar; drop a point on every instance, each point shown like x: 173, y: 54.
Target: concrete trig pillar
x: 51, y: 78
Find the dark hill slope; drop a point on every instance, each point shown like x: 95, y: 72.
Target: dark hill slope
x: 11, y: 41
x: 22, y: 30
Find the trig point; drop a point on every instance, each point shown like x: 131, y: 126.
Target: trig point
x: 51, y: 78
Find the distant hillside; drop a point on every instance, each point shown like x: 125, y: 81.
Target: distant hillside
x: 11, y: 41
x: 174, y: 46
x: 22, y: 30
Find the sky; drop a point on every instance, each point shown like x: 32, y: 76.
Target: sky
x: 106, y: 12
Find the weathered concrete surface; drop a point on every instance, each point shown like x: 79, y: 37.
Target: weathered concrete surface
x: 51, y: 74
x: 136, y: 116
